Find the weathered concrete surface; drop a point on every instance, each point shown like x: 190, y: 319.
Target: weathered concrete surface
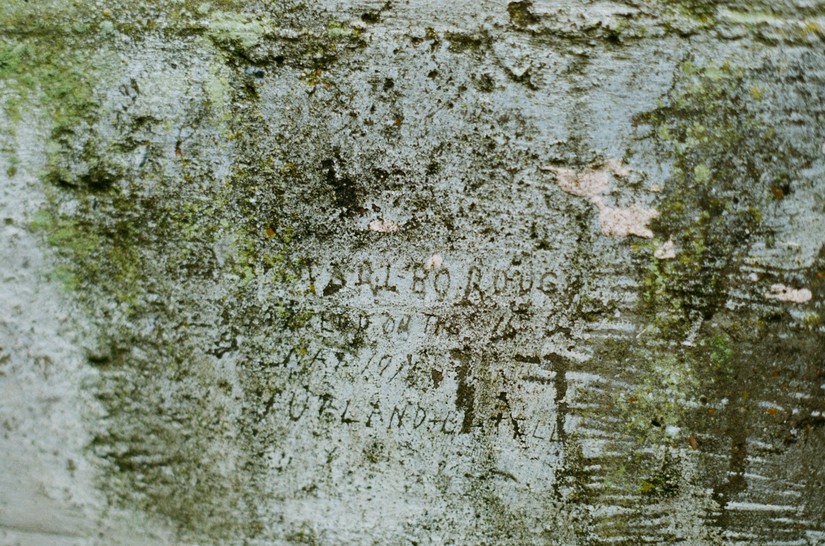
x: 412, y: 273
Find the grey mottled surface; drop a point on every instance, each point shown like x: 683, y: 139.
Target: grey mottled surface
x: 412, y: 272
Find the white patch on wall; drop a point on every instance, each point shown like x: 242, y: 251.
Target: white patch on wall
x: 590, y: 183
x: 383, y: 226
x: 666, y: 251
x: 433, y: 262
x: 780, y: 292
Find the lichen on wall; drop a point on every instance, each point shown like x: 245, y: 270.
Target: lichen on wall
x: 357, y: 272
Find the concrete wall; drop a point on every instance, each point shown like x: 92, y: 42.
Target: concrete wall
x: 468, y: 272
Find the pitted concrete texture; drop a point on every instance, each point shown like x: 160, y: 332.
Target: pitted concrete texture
x: 368, y: 272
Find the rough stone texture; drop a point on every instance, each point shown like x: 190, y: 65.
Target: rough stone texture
x: 331, y: 273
